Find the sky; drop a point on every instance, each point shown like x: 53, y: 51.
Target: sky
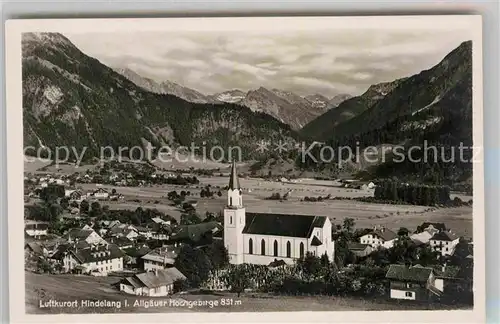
x: 306, y: 62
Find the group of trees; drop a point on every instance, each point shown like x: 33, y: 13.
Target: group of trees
x: 416, y: 194
x: 197, y: 263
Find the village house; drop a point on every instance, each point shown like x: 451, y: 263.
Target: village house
x: 444, y: 242
x: 122, y: 242
x: 196, y: 234
x: 159, y: 258
x: 97, y: 259
x: 411, y: 283
x: 100, y: 194
x: 379, y: 237
x: 432, y: 228
x: 36, y: 249
x: 134, y: 256
x: 260, y: 238
x: 360, y: 250
x: 88, y: 235
x: 36, y: 230
x: 152, y: 283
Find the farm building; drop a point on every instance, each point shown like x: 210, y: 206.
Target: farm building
x: 360, y: 250
x: 260, y: 238
x: 152, y: 283
x: 36, y: 229
x: 159, y: 258
x: 88, y: 235
x: 444, y: 242
x: 379, y: 237
x: 97, y: 259
x: 411, y: 283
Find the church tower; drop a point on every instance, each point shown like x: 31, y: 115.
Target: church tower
x: 234, y: 219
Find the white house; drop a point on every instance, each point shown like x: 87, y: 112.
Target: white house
x: 36, y: 229
x: 258, y: 238
x: 411, y: 283
x: 379, y: 237
x: 444, y: 242
x: 88, y: 235
x: 159, y: 258
x: 100, y: 194
x: 152, y: 283
x: 97, y: 259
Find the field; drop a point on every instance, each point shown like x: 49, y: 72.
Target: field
x: 70, y: 288
x: 255, y: 192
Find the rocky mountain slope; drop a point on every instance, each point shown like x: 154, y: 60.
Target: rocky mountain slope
x: 71, y: 99
x: 321, y: 127
x: 165, y: 87
x: 432, y: 107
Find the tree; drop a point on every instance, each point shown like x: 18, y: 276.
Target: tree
x: 237, y: 278
x: 113, y: 191
x: 52, y: 192
x: 218, y: 255
x: 403, y: 231
x: 95, y: 209
x: 194, y: 264
x: 84, y: 207
x: 348, y: 224
x: 64, y: 202
x: 310, y: 264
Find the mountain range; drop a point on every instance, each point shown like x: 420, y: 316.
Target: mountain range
x: 285, y: 106
x: 72, y: 99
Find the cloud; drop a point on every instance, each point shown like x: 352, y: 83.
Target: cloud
x: 326, y: 62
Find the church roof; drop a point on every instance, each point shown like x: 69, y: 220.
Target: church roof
x: 234, y: 182
x: 282, y: 225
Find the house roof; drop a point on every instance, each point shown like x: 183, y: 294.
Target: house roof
x: 162, y: 254
x: 78, y: 233
x: 121, y: 241
x: 282, y: 225
x: 402, y: 273
x: 234, y: 182
x: 194, y: 232
x: 97, y: 253
x: 354, y: 246
x: 385, y: 234
x: 154, y: 279
x: 444, y: 236
x: 37, y: 226
x: 35, y: 247
x: 277, y: 263
x: 439, y: 226
x: 137, y: 252
x: 316, y: 241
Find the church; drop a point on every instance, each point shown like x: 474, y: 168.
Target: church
x: 261, y: 238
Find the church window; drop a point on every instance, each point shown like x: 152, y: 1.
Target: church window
x: 275, y: 248
x: 263, y: 247
x: 301, y: 249
x: 288, y: 250
x: 230, y: 219
x: 250, y: 246
x: 230, y: 201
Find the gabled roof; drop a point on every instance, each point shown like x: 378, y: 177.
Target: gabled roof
x: 400, y: 272
x: 438, y: 226
x: 234, y: 182
x: 121, y: 241
x: 37, y: 226
x: 162, y: 254
x: 282, y: 225
x: 444, y: 236
x: 78, y: 233
x: 195, y: 232
x: 100, y: 253
x: 137, y: 252
x: 385, y: 234
x: 316, y: 241
x: 157, y: 279
x: 354, y: 246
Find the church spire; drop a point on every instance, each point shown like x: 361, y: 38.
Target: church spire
x: 234, y: 182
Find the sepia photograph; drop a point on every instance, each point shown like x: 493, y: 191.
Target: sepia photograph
x: 247, y: 165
